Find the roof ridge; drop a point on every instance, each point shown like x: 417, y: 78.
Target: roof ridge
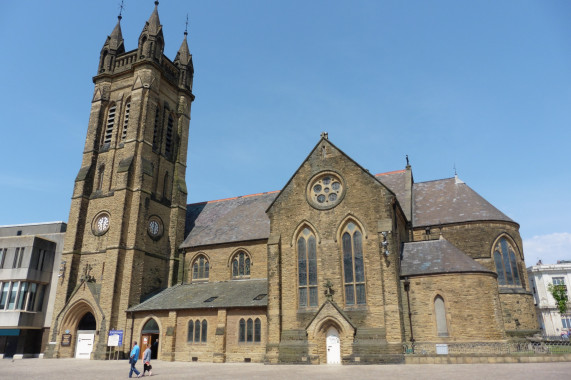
x: 391, y: 172
x: 160, y: 293
x: 435, y: 180
x: 220, y: 282
x: 232, y: 198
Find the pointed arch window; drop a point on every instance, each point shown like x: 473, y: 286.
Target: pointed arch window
x: 440, y: 314
x: 126, y: 121
x: 506, y: 263
x: 157, y: 129
x: 250, y: 331
x: 200, y: 268
x: 353, y: 266
x: 103, y: 59
x: 169, y: 137
x: 109, y: 126
x: 307, y: 268
x: 241, y: 265
x: 197, y: 331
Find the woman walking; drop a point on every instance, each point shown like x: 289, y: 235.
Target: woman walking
x: 147, y: 361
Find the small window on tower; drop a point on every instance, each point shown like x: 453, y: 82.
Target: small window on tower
x: 169, y: 137
x: 126, y: 121
x: 156, y: 130
x: 109, y: 128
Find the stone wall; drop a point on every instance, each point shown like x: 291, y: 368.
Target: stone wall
x: 220, y: 260
x: 472, y: 305
x: 477, y: 240
x: 222, y: 344
x: 366, y: 203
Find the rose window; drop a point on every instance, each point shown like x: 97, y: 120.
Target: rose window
x: 325, y: 191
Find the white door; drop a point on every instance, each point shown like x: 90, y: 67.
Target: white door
x: 84, y: 346
x: 333, y: 346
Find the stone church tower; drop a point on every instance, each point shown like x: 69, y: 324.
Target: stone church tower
x: 128, y: 208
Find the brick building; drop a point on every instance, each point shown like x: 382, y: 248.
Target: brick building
x: 339, y: 266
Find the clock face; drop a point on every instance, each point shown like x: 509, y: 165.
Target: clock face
x: 154, y: 227
x: 103, y: 223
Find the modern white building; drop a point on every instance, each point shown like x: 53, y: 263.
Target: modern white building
x: 540, y: 276
x: 30, y: 255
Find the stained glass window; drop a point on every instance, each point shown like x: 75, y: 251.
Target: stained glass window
x: 200, y: 268
x: 241, y: 265
x: 250, y: 331
x: 307, y: 268
x: 353, y: 265
x: 506, y: 263
x: 197, y: 331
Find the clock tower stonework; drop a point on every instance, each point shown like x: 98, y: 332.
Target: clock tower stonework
x: 128, y: 209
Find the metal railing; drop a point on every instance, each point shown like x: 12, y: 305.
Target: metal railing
x: 544, y: 347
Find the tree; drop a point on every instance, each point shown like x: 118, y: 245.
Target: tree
x: 559, y: 293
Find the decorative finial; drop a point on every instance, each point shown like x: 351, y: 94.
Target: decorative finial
x: 156, y: 3
x: 325, y: 135
x: 121, y: 7
x: 407, y: 163
x: 186, y: 26
x: 455, y: 172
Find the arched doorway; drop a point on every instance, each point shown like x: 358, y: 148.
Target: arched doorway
x: 333, y: 345
x: 86, y: 329
x: 150, y: 335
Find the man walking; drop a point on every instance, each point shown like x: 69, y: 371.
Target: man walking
x: 133, y: 359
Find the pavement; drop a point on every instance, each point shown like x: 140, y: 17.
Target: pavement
x: 96, y: 369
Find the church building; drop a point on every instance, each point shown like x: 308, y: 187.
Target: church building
x: 339, y: 266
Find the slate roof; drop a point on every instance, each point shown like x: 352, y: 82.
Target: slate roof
x: 244, y: 218
x: 228, y: 220
x: 450, y: 201
x: 396, y: 182
x: 236, y: 293
x: 436, y: 257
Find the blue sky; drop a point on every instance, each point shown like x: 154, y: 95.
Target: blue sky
x: 482, y: 86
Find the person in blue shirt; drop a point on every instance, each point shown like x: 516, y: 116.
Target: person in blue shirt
x: 133, y: 359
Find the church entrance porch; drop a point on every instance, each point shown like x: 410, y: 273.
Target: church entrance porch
x: 150, y: 336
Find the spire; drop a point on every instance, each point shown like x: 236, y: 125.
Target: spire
x: 183, y: 61
x: 112, y: 47
x: 154, y: 24
x: 115, y: 40
x: 151, y: 42
x: 183, y: 56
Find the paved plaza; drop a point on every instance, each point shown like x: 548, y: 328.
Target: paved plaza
x: 93, y: 369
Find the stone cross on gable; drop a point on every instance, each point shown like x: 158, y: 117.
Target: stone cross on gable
x: 86, y: 273
x: 328, y: 285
